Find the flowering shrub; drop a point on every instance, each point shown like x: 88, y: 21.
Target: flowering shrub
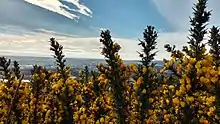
x: 120, y: 93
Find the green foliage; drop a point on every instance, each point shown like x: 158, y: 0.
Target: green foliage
x: 148, y: 45
x: 114, y: 72
x: 5, y: 64
x: 198, y: 30
x: 58, y: 55
x: 214, y: 43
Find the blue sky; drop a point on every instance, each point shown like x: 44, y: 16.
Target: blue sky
x: 127, y: 18
x: 77, y: 24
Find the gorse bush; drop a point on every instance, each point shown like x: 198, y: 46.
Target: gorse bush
x: 120, y: 93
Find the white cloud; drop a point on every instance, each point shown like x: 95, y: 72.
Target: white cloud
x: 177, y: 12
x: 36, y: 44
x: 81, y: 8
x: 57, y: 7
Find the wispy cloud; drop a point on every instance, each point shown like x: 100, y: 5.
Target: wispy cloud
x: 58, y: 7
x: 81, y: 8
x: 177, y: 12
x: 36, y: 44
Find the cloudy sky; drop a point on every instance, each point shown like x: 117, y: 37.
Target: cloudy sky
x: 27, y: 25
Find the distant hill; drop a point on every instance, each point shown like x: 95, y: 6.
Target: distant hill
x: 76, y: 64
x: 27, y: 61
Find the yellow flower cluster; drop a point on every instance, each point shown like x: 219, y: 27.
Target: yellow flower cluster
x: 40, y: 101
